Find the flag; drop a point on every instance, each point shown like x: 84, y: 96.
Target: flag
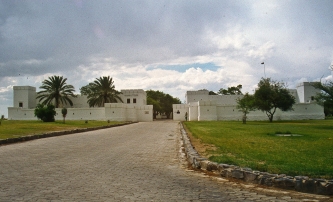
x: 262, y: 63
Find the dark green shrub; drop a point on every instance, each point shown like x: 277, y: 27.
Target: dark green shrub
x: 2, y: 117
x: 45, y: 113
x: 64, y: 113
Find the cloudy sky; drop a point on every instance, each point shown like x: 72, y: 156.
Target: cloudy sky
x: 171, y: 46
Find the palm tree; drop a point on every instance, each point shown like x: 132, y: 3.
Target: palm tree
x: 56, y: 90
x: 101, y: 91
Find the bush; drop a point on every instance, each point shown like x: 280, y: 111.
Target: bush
x: 45, y: 113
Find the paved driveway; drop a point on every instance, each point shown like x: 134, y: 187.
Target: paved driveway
x: 137, y: 162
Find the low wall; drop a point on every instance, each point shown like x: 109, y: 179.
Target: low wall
x: 145, y: 113
x: 297, y: 183
x: 111, y: 111
x: 210, y: 112
x: 82, y: 114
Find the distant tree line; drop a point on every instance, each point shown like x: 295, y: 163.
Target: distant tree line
x: 162, y: 103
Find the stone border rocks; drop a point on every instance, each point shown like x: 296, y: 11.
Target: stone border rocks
x: 297, y: 183
x: 56, y: 133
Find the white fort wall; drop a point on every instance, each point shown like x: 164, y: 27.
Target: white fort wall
x: 134, y: 107
x: 204, y: 107
x: 111, y: 111
x: 209, y: 111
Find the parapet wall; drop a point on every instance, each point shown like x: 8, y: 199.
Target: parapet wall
x: 111, y: 111
x: 211, y: 111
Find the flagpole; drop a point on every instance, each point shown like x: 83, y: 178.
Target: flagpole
x: 263, y: 63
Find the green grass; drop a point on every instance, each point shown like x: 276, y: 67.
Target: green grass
x: 257, y: 146
x: 11, y: 129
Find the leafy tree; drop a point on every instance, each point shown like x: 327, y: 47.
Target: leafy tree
x: 325, y: 97
x: 157, y: 108
x: 212, y: 93
x: 272, y: 95
x: 101, y: 91
x: 234, y: 90
x: 2, y: 117
x: 45, y: 112
x: 86, y: 90
x: 64, y: 113
x: 167, y: 102
x: 245, y: 105
x: 162, y: 103
x: 56, y: 91
x: 155, y: 98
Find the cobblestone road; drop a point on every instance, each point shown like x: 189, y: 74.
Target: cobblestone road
x: 137, y: 162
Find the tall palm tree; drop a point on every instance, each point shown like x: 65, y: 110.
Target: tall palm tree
x: 56, y: 91
x: 101, y: 91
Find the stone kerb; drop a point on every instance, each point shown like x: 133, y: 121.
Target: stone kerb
x: 297, y: 183
x: 56, y: 133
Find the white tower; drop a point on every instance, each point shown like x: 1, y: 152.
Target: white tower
x: 24, y: 97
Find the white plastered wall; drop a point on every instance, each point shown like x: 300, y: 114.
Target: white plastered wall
x: 26, y: 95
x: 205, y: 107
x: 97, y: 113
x: 179, y: 111
x: 193, y: 111
x: 137, y: 95
x: 195, y: 96
x: 207, y: 111
x: 115, y: 111
x: 145, y: 113
x: 305, y: 91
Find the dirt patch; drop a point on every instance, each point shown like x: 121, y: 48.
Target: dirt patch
x: 289, y: 135
x: 202, y: 148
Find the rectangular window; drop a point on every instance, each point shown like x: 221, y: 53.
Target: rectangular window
x: 134, y: 100
x: 20, y: 104
x: 128, y: 100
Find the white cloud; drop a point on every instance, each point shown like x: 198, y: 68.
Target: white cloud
x: 136, y: 42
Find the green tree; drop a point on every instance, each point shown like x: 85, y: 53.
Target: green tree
x: 155, y: 98
x: 162, y: 103
x: 64, y: 113
x: 234, y: 90
x: 325, y: 97
x: 45, y: 112
x: 101, y: 91
x: 212, y: 93
x: 56, y: 91
x: 245, y: 105
x: 272, y: 95
x: 157, y: 108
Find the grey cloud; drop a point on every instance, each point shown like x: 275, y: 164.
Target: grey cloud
x: 41, y: 37
x: 132, y: 31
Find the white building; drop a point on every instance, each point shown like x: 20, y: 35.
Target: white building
x: 133, y: 108
x: 200, y: 106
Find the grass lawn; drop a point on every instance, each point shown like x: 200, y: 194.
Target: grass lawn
x: 10, y: 129
x: 257, y: 146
